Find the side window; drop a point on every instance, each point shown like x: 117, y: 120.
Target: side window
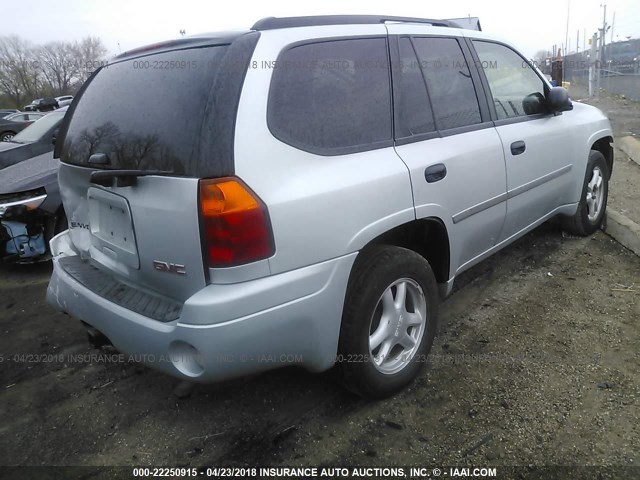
x: 517, y: 90
x: 332, y: 97
x: 413, y: 109
x: 453, y: 96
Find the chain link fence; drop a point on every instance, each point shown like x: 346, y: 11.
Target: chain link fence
x: 619, y: 71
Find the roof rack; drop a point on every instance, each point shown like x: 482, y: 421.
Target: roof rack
x: 271, y: 23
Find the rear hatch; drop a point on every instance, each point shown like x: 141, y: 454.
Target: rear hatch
x: 145, y: 129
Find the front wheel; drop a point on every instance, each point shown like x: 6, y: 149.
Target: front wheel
x: 593, y: 201
x: 389, y: 321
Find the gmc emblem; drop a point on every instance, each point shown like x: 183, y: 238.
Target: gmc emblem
x: 169, y: 267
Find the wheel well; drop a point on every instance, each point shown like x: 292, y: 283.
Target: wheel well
x: 427, y: 237
x: 604, y: 146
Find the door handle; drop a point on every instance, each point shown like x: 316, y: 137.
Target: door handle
x: 518, y: 147
x: 435, y: 173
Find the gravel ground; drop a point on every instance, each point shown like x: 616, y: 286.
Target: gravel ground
x: 536, y: 362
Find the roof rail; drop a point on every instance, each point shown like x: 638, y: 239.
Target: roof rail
x: 271, y: 23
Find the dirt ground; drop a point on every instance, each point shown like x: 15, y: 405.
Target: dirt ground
x: 537, y: 362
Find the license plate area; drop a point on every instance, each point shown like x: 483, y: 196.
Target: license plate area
x: 111, y: 225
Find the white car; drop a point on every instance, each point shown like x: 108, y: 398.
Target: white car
x: 64, y: 100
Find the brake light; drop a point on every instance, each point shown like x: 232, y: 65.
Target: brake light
x: 234, y: 223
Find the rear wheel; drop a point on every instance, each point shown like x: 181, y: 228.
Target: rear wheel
x: 389, y: 321
x: 593, y: 201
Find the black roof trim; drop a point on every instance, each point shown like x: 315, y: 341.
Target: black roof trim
x: 271, y: 23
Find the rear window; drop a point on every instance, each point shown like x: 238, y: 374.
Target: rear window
x: 36, y: 131
x: 150, y: 113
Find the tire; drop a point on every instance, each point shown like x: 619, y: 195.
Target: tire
x: 593, y: 200
x: 6, y: 136
x: 373, y: 361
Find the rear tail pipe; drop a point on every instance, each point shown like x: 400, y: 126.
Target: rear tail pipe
x: 96, y: 338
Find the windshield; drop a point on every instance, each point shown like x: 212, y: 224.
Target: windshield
x: 43, y: 126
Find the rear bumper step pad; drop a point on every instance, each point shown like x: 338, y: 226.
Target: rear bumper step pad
x: 108, y: 287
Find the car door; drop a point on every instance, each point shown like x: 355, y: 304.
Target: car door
x: 536, y: 148
x: 445, y: 137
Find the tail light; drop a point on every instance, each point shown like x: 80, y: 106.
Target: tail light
x: 235, y: 223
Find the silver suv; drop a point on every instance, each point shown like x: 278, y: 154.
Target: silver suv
x: 305, y: 191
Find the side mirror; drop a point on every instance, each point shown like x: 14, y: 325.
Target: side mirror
x: 558, y: 100
x: 534, y: 103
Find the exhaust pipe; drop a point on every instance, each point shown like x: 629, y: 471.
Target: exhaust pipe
x: 96, y: 338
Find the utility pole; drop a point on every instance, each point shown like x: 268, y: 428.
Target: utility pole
x: 593, y: 71
x: 566, y: 42
x: 603, y: 40
x: 578, y: 41
x: 613, y: 22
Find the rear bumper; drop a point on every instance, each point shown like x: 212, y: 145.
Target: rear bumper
x: 302, y: 330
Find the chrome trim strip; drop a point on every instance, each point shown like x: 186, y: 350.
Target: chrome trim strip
x: 537, y: 182
x: 458, y: 217
x: 37, y: 201
x: 480, y: 207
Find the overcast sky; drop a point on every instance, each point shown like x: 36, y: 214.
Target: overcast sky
x: 126, y: 24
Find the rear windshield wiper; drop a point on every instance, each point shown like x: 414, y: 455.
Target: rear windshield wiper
x: 123, y: 178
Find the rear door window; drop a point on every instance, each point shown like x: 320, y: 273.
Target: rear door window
x: 332, y: 97
x: 453, y: 96
x: 413, y: 108
x: 148, y: 113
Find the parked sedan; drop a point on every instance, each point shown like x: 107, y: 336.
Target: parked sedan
x: 5, y: 112
x: 30, y: 206
x: 16, y: 122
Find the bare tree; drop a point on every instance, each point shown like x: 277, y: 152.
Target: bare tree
x: 89, y: 53
x: 59, y: 66
x: 19, y: 76
x: 540, y: 58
